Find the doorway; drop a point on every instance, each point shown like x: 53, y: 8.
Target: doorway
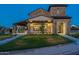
x: 61, y: 28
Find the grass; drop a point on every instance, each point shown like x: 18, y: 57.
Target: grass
x: 4, y: 36
x: 34, y: 41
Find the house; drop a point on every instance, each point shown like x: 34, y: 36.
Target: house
x: 4, y: 30
x: 53, y: 21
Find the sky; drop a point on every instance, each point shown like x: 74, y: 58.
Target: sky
x: 12, y: 13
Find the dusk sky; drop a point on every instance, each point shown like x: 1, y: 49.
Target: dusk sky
x: 10, y: 14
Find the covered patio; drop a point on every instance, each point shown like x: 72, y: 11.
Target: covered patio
x: 40, y: 27
x: 20, y: 28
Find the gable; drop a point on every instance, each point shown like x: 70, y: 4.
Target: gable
x: 39, y: 12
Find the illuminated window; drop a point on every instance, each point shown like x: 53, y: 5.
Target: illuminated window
x: 31, y: 24
x: 49, y: 20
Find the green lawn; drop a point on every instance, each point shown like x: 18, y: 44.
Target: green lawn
x: 4, y: 36
x: 34, y: 41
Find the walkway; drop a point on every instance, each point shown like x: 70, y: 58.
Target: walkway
x: 53, y: 50
x: 72, y: 38
x: 8, y: 39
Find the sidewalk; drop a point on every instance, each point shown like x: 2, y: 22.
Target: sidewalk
x: 8, y: 40
x: 72, y: 38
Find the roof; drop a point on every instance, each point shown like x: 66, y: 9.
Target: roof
x: 22, y: 23
x: 37, y: 10
x: 57, y: 5
x: 41, y: 11
x: 55, y: 17
x: 60, y: 17
x: 40, y: 21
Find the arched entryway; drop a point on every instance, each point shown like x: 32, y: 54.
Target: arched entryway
x: 61, y: 28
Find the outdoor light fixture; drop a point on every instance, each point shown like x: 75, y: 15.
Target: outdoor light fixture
x: 30, y: 20
x: 49, y: 24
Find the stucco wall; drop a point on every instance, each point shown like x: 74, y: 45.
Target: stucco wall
x: 40, y: 18
x: 66, y: 27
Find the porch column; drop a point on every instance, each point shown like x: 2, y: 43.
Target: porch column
x: 14, y: 30
x: 28, y: 28
x: 54, y: 27
x: 67, y: 28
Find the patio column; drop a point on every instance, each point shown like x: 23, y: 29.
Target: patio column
x: 54, y: 27
x: 66, y: 28
x: 14, y: 30
x: 28, y: 27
